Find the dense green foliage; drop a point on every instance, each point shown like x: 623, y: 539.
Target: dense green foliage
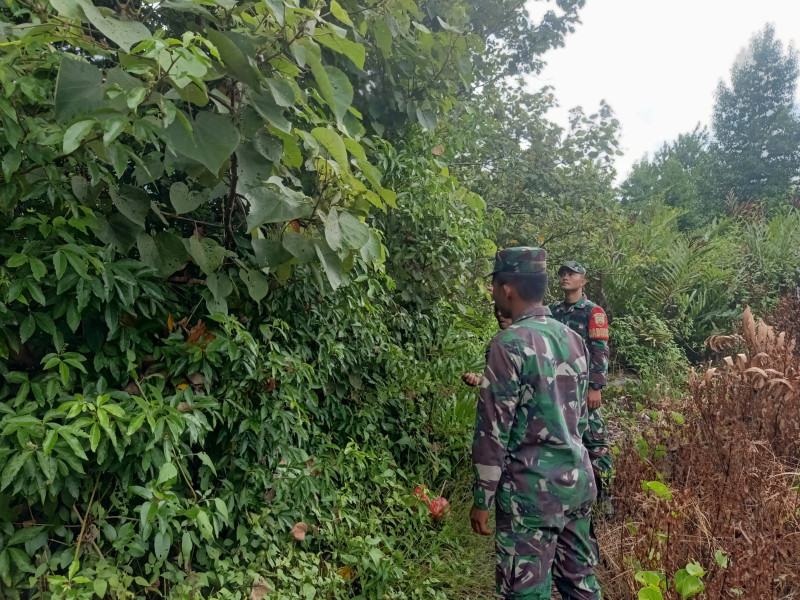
x: 238, y: 284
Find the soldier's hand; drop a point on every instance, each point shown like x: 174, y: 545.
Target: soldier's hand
x: 595, y: 399
x: 472, y: 379
x: 480, y: 521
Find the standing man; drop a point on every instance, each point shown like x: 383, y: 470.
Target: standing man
x: 590, y: 322
x: 527, y: 453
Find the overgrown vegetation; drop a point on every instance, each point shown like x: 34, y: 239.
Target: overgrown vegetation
x: 240, y: 274
x: 713, y: 482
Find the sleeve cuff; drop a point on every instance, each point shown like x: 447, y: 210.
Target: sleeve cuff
x: 482, y: 499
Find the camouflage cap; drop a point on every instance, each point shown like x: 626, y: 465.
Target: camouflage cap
x: 573, y: 266
x: 520, y: 259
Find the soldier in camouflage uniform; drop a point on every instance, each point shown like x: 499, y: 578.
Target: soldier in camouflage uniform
x: 527, y: 453
x: 588, y: 320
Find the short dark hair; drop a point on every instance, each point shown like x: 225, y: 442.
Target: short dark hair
x: 531, y: 287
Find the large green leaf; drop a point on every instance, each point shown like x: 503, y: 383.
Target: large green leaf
x: 331, y: 263
x: 213, y: 139
x: 354, y: 233
x: 282, y: 92
x: 235, y: 59
x: 253, y: 169
x: 75, y: 134
x: 270, y: 253
x: 124, y: 34
x: 117, y: 230
x: 165, y: 253
x: 132, y: 202
x: 185, y: 201
x: 334, y: 144
x: 352, y: 50
x: 79, y: 89
x: 342, y: 91
x: 257, y: 284
x: 206, y: 253
x: 268, y: 204
x: 267, y: 107
x: 299, y: 246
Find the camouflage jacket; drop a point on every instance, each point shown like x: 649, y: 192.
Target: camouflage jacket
x: 590, y: 321
x: 527, y: 449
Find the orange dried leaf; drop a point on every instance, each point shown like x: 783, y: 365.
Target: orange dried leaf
x: 170, y: 323
x: 345, y: 572
x: 299, y: 531
x: 182, y: 387
x: 196, y: 332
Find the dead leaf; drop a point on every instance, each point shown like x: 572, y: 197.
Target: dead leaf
x: 196, y: 378
x: 345, y: 572
x: 260, y: 588
x: 182, y: 386
x: 437, y: 150
x: 196, y: 332
x: 299, y: 531
x: 295, y: 225
x: 170, y: 323
x: 133, y: 389
x: 184, y: 407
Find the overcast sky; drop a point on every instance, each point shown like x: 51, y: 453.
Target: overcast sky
x: 657, y: 62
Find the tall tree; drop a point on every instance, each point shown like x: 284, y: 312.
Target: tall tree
x: 680, y: 174
x: 756, y: 127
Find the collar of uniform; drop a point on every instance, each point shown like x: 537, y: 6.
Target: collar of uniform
x: 579, y: 304
x: 534, y: 311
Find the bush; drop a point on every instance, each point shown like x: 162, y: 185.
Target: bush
x: 713, y: 482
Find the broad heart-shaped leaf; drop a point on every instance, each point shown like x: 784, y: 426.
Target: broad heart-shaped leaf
x: 252, y: 167
x: 206, y: 253
x: 331, y: 263
x: 340, y: 13
x: 333, y: 144
x: 165, y: 253
x: 342, y: 96
x: 266, y: 106
x: 687, y: 585
x: 257, y: 284
x: 299, y: 246
x: 118, y: 231
x: 383, y: 36
x: 79, y: 89
x: 69, y: 8
x: 220, y: 285
x: 426, y: 118
x: 282, y: 92
x: 650, y: 593
x: 354, y: 233
x: 124, y: 34
x: 234, y: 57
x: 268, y: 204
x: 658, y: 488
x: 270, y: 253
x: 352, y: 50
x: 132, y: 202
x: 184, y: 200
x: 333, y: 233
x: 212, y: 141
x: 75, y: 134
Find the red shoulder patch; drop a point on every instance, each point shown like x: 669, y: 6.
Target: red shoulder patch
x: 598, y: 324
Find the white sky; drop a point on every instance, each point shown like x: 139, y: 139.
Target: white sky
x: 656, y: 62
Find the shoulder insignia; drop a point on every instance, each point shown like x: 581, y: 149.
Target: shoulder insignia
x: 598, y: 324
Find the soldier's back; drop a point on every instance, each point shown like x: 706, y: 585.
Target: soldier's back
x: 547, y: 472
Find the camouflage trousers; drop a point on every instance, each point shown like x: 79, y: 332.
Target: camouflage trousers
x: 529, y: 558
x: 594, y: 439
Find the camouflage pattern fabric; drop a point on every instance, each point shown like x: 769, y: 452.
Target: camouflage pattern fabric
x: 590, y: 322
x: 528, y: 457
x: 527, y: 555
x: 520, y: 259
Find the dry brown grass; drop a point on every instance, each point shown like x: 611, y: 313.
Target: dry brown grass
x: 733, y: 469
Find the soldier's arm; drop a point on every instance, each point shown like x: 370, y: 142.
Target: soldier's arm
x: 598, y: 347
x: 497, y: 405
